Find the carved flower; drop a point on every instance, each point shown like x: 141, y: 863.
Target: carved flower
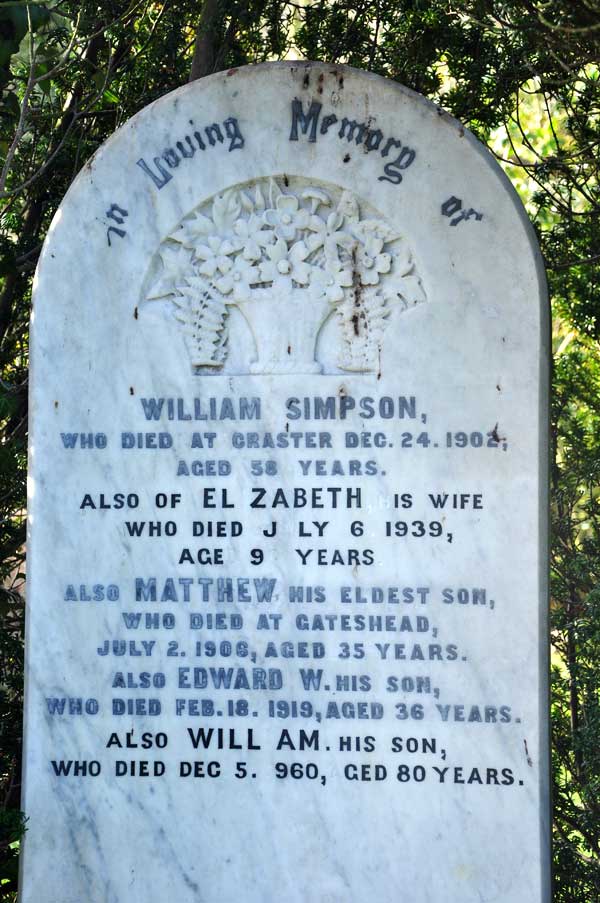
x: 216, y: 255
x: 371, y: 262
x: 287, y: 217
x: 284, y: 262
x: 248, y: 231
x: 316, y: 197
x: 328, y: 234
x: 238, y: 279
x: 333, y: 279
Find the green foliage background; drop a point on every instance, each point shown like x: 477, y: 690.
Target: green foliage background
x: 523, y: 75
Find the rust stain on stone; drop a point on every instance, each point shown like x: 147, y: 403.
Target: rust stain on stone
x: 358, y: 294
x: 495, y: 435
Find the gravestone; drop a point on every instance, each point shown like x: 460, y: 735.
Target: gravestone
x: 287, y: 562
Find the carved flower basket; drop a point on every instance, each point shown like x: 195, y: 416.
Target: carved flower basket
x: 285, y: 330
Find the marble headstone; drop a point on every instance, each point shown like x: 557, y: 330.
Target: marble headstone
x: 286, y: 632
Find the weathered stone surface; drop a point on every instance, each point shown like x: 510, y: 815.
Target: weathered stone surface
x: 287, y: 573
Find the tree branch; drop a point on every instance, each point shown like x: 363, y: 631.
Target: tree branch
x: 205, y: 49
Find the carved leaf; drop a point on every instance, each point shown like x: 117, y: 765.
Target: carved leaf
x: 190, y: 231
x: 411, y: 290
x: 246, y: 202
x: 334, y: 221
x: 175, y: 266
x: 403, y: 262
x: 375, y: 228
x: 226, y: 209
x: 274, y: 193
x: 348, y: 207
x: 202, y: 312
x: 259, y: 201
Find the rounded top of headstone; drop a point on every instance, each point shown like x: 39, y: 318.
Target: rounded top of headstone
x: 306, y: 181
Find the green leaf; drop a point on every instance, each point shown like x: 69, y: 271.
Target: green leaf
x: 110, y: 97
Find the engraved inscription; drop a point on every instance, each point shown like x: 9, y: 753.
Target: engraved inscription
x: 118, y: 214
x: 352, y: 131
x: 453, y: 208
